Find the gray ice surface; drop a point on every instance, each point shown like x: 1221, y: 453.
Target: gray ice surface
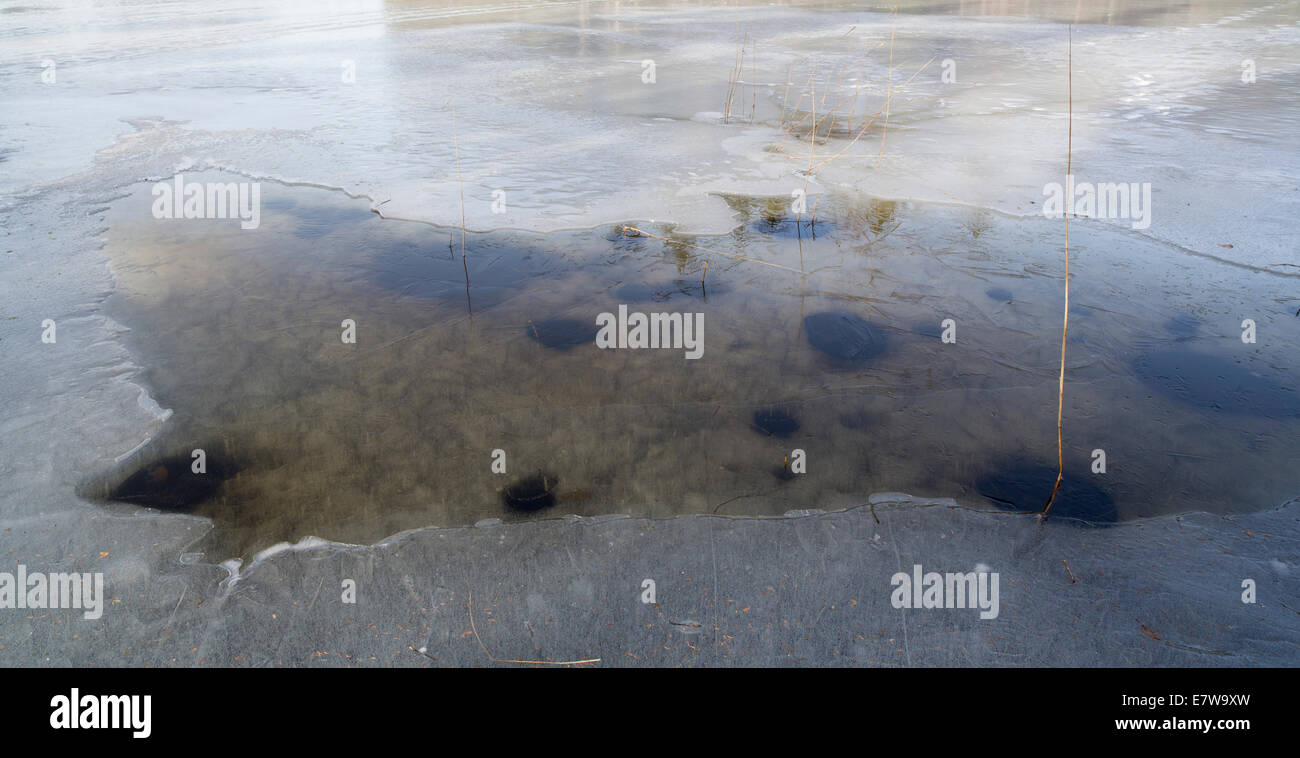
x: 799, y: 591
x: 137, y: 103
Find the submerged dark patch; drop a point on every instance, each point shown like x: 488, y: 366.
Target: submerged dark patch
x: 531, y: 493
x: 171, y: 484
x: 1214, y: 383
x: 562, y: 333
x: 1024, y: 487
x: 998, y: 293
x: 844, y: 336
x: 775, y: 422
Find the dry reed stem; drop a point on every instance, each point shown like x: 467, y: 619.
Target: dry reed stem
x: 889, y: 91
x: 787, y: 124
x: 812, y: 150
x: 731, y: 88
x: 753, y: 84
x: 421, y: 652
x: 795, y: 124
x: 461, y: 181
x: 1065, y: 320
x: 839, y: 96
x: 868, y: 123
x: 890, y: 95
x: 735, y: 80
x: 785, y: 97
x: 812, y: 103
x: 511, y: 660
x: 854, y: 110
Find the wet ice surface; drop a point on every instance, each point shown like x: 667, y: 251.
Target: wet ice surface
x: 237, y: 332
x: 240, y: 334
x: 552, y: 109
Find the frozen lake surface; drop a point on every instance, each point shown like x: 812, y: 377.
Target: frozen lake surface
x: 830, y: 184
x: 563, y: 123
x: 553, y: 109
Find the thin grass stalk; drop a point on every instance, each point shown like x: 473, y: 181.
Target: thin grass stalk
x: 1065, y: 319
